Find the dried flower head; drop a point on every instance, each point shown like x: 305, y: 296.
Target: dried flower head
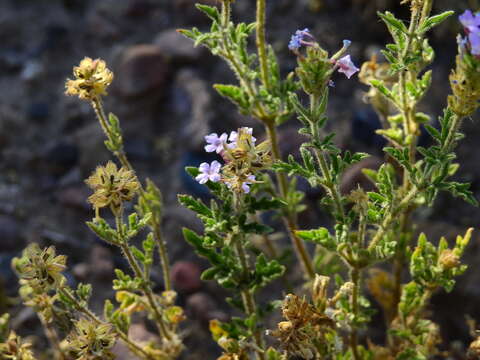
x: 448, y: 259
x: 465, y: 83
x: 372, y: 70
x: 92, y: 77
x: 112, y: 186
x: 15, y: 349
x: 91, y: 341
x: 304, y: 328
x: 40, y: 269
x: 42, y: 304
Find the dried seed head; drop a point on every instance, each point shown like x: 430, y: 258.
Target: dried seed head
x: 112, y: 186
x: 448, y: 259
x: 92, y: 77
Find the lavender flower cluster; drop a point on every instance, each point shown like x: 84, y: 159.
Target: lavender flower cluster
x: 220, y: 144
x: 471, y: 23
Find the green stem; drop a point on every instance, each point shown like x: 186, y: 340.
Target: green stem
x: 261, y: 43
x: 239, y: 69
x: 272, y: 251
x: 53, y: 339
x: 248, y: 298
x: 329, y: 184
x: 101, y: 116
x: 355, y: 278
x: 408, y: 109
x: 146, y: 289
x: 450, y: 140
x: 290, y: 217
x: 155, y: 222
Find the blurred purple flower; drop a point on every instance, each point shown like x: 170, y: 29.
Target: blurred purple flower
x: 474, y: 38
x: 245, y: 185
x: 470, y: 21
x: 215, y: 143
x: 346, y: 66
x: 298, y: 40
x: 209, y: 172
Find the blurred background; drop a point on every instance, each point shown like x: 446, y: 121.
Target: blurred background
x: 163, y: 95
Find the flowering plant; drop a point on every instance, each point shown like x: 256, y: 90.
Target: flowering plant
x: 328, y: 315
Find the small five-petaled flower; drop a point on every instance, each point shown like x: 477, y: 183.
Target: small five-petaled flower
x: 209, y: 172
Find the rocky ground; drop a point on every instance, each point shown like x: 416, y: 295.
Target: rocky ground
x: 162, y: 93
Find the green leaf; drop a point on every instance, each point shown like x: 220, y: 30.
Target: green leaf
x: 195, y: 205
x: 264, y: 204
x: 209, y: 274
x: 320, y: 236
x: 235, y: 94
x: 140, y: 256
x: 266, y: 271
x: 380, y: 86
x: 434, y: 21
x: 210, y: 11
x: 256, y: 228
x: 392, y: 22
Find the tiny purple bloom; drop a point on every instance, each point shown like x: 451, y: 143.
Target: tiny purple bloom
x: 474, y: 39
x: 346, y: 66
x: 209, y: 172
x: 346, y: 44
x: 245, y: 185
x: 215, y: 143
x: 331, y: 83
x: 298, y: 39
x: 470, y: 21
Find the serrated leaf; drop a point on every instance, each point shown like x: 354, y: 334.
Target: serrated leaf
x: 434, y: 21
x: 210, y: 11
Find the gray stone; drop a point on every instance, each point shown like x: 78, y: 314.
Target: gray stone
x: 10, y: 234
x: 186, y: 276
x: 142, y: 69
x: 176, y: 47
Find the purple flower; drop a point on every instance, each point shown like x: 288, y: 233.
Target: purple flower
x: 234, y: 136
x: 215, y: 143
x: 298, y: 39
x: 346, y: 66
x: 245, y: 185
x: 470, y: 21
x: 474, y: 39
x: 209, y: 172
x: 346, y: 44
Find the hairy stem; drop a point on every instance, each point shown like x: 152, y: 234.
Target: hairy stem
x: 408, y: 110
x: 329, y: 185
x: 261, y: 43
x: 154, y: 222
x: 248, y: 298
x: 355, y: 278
x: 146, y: 289
x: 290, y: 218
x: 53, y: 339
